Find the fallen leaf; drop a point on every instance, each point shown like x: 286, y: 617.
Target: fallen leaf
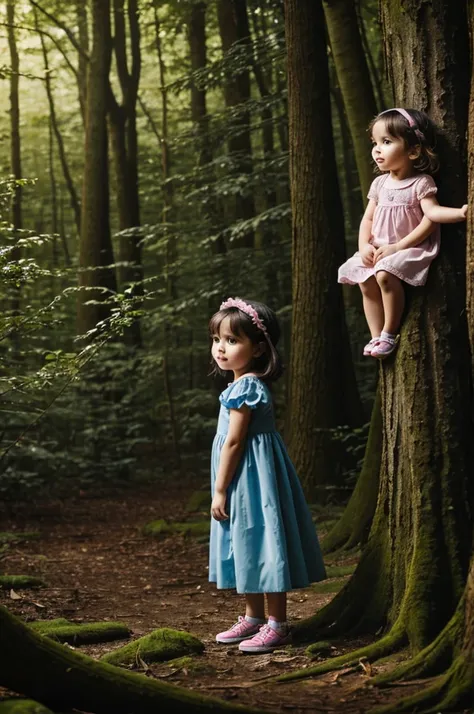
x: 14, y: 595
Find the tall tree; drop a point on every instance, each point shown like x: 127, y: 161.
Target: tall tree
x: 320, y: 364
x: 83, y: 32
x: 15, y: 141
x: 235, y: 33
x: 413, y: 570
x: 123, y: 132
x: 95, y: 251
x: 354, y: 80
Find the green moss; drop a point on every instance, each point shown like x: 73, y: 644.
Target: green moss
x: 14, y: 537
x: 339, y: 571
x: 320, y: 649
x: 162, y: 527
x: 191, y: 665
x: 158, y: 646
x: 328, y: 586
x: 43, y: 626
x: 19, y: 582
x: 22, y: 706
x: 89, y: 633
x: 199, y: 501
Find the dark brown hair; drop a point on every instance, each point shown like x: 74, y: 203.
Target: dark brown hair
x: 398, y: 127
x: 268, y: 367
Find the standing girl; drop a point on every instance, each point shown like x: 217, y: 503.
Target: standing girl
x: 397, y: 238
x: 263, y: 540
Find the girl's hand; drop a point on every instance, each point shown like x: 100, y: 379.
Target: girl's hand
x: 218, y: 506
x: 367, y: 255
x: 383, y: 251
x: 464, y: 211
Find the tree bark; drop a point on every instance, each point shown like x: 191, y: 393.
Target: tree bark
x: 64, y: 679
x: 123, y: 132
x: 320, y: 365
x: 82, y: 26
x: 95, y: 252
x: 417, y: 556
x: 234, y: 28
x: 354, y: 80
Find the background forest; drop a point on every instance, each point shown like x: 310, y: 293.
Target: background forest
x: 176, y: 198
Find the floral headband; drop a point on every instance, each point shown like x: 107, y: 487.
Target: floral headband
x: 410, y: 120
x: 248, y: 309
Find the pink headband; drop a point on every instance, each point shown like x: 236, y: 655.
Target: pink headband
x: 410, y: 120
x: 248, y: 309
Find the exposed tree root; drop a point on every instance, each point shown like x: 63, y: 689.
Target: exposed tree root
x: 22, y: 706
x: 37, y: 667
x: 393, y: 641
x: 431, y: 660
x: 352, y: 529
x: 452, y: 691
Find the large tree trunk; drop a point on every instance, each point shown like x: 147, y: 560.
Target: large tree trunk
x: 413, y: 569
x: 354, y: 80
x: 95, y: 252
x: 234, y: 28
x: 52, y: 674
x: 323, y: 392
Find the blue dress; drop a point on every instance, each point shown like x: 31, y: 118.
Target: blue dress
x: 269, y: 543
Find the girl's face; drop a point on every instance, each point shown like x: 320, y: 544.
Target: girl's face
x: 233, y: 352
x: 390, y: 152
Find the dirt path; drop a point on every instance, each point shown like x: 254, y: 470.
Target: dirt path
x: 98, y: 566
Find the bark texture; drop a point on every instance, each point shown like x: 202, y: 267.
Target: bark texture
x: 95, y: 253
x: 234, y: 28
x: 320, y: 366
x: 417, y: 556
x: 64, y: 679
x: 354, y: 80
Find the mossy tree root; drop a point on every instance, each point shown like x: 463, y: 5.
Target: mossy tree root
x: 354, y: 610
x: 64, y: 679
x: 392, y: 642
x: 87, y: 634
x: 19, y: 582
x: 452, y: 691
x: 433, y: 659
x: 158, y: 646
x: 352, y: 529
x: 23, y: 706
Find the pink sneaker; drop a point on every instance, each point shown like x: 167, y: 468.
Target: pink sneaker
x: 242, y: 630
x: 384, y: 347
x: 266, y: 640
x: 370, y: 346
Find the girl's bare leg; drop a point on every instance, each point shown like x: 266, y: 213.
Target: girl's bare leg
x: 277, y: 606
x: 373, y: 306
x: 255, y: 605
x: 393, y: 298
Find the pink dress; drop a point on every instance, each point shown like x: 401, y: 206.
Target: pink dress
x: 397, y: 213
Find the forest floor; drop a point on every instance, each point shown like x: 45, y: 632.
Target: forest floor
x: 99, y: 566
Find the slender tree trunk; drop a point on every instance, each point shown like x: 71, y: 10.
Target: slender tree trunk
x: 320, y: 365
x: 83, y: 31
x: 413, y: 569
x: 234, y: 28
x: 123, y: 130
x: 95, y: 252
x: 75, y: 205
x: 15, y: 150
x: 354, y: 80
